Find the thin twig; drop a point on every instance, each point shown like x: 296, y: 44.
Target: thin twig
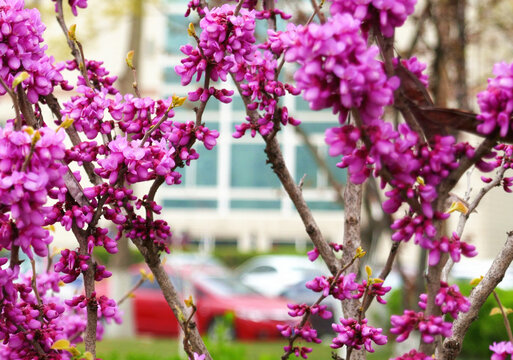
x: 37, y: 347
x: 464, y: 216
x: 155, y: 127
x: 17, y: 123
x: 504, y: 316
x: 89, y: 285
x: 34, y: 283
x: 384, y: 273
x: 131, y: 291
x: 317, y: 11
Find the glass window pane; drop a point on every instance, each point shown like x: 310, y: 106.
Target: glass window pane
x: 170, y: 76
x: 324, y: 205
x: 206, y: 167
x: 255, y: 204
x: 305, y: 164
x: 237, y: 103
x: 316, y: 126
x: 340, y: 174
x: 189, y: 204
x: 176, y: 33
x: 249, y: 168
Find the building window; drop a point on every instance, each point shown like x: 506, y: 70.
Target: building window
x: 190, y: 204
x: 255, y: 204
x: 206, y: 167
x: 249, y: 168
x: 306, y: 164
x: 176, y: 36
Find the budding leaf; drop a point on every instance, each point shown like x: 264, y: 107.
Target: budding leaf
x: 29, y: 130
x: 74, y: 351
x: 420, y: 180
x: 65, y: 124
x: 146, y: 276
x: 189, y: 302
x: 458, y: 206
x: 178, y: 101
x: 190, y: 30
x: 72, y: 32
x: 87, y: 356
x: 36, y: 137
x: 62, y: 344
x: 20, y: 78
x: 130, y: 59
x: 360, y: 253
x: 476, y: 281
x: 368, y: 270
x: 497, y: 311
x: 50, y: 228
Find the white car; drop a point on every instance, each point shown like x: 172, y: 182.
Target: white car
x: 271, y: 275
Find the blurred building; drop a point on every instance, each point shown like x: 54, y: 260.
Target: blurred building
x: 230, y: 194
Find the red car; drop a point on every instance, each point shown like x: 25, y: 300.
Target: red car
x: 254, y: 316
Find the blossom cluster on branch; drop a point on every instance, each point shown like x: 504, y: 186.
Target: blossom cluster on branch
x: 134, y: 139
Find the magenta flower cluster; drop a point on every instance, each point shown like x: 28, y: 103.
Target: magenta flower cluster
x: 449, y: 299
x: 501, y: 350
x: 30, y: 173
x: 96, y: 73
x: 226, y: 42
x: 342, y: 289
x: 413, y: 355
x: 375, y: 289
x: 264, y: 90
x: 305, y: 332
x: 453, y: 245
x: 496, y: 102
x: 46, y: 323
x: 390, y: 13
x: 74, y: 4
x: 355, y: 334
x: 429, y: 327
x: 21, y: 49
x: 168, y: 145
x: 416, y: 67
x: 338, y: 70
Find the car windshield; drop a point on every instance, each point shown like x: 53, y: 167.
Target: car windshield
x: 225, y: 286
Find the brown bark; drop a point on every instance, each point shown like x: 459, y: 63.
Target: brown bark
x: 352, y: 240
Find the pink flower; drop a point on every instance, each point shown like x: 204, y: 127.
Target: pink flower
x: 428, y: 327
x: 354, y: 334
x: 501, y: 350
x: 413, y: 355
x: 496, y: 102
x: 198, y: 357
x: 453, y: 246
x: 391, y: 13
x: 338, y: 70
x: 449, y: 299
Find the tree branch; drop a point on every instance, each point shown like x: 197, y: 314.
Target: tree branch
x: 452, y: 346
x: 172, y: 297
x: 352, y: 216
x: 275, y: 158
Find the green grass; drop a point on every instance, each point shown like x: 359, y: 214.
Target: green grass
x: 167, y: 349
